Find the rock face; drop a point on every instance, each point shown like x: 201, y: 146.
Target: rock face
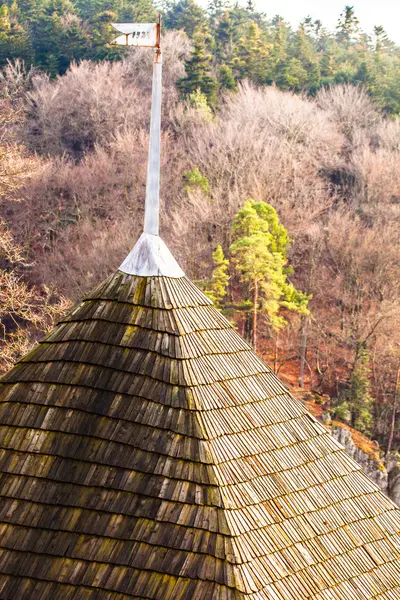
x: 385, y: 475
x: 393, y: 490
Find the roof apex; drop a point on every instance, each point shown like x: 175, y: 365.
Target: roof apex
x: 150, y: 257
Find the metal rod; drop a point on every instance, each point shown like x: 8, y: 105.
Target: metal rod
x: 152, y: 206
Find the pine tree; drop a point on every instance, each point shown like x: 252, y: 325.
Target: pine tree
x: 137, y: 11
x: 328, y: 61
x: 194, y: 179
x: 250, y: 6
x: 14, y: 41
x: 89, y: 8
x: 250, y: 59
x: 259, y: 252
x: 308, y: 73
x: 217, y: 7
x: 74, y: 43
x: 198, y: 72
x: 382, y: 42
x: 4, y: 21
x: 101, y: 33
x: 292, y: 76
x: 226, y: 78
x: 49, y: 23
x: 360, y: 398
x: 186, y: 15
x: 278, y: 55
x: 218, y: 286
x: 224, y: 36
x: 348, y: 29
x: 28, y: 7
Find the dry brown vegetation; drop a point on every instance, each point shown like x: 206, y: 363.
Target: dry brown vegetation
x: 73, y: 166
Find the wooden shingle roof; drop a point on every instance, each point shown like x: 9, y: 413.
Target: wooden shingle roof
x: 148, y: 453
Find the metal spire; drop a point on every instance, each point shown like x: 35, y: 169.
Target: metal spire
x: 150, y: 256
x: 152, y: 206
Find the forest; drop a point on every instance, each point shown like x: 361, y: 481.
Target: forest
x: 280, y: 181
x: 231, y: 43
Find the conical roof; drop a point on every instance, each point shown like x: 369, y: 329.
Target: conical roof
x: 148, y: 453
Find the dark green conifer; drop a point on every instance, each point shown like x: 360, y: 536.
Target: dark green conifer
x: 198, y: 72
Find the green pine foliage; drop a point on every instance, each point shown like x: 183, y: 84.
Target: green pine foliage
x: 348, y: 28
x: 226, y: 78
x: 185, y: 15
x: 198, y: 69
x: 259, y: 254
x: 14, y: 40
x: 217, y: 288
x: 195, y: 180
x: 199, y: 101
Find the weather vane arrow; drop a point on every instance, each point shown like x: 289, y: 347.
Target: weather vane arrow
x: 146, y: 35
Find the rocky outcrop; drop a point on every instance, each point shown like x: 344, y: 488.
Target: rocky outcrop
x: 375, y: 469
x: 393, y: 467
x: 385, y: 474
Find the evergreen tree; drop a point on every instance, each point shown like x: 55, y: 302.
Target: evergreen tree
x: 226, y: 78
x: 328, y: 62
x: 194, y: 179
x: 89, y: 8
x: 250, y: 59
x: 4, y: 21
x: 231, y: 43
x: 199, y: 101
x: 382, y: 42
x: 125, y: 10
x: 360, y: 398
x: 138, y: 11
x: 27, y: 7
x: 216, y: 8
x: 308, y: 73
x: 218, y: 286
x: 259, y: 252
x: 228, y: 28
x: 14, y: 41
x: 224, y: 36
x: 292, y: 75
x: 278, y: 55
x: 101, y: 33
x: 51, y: 27
x: 198, y: 72
x: 348, y: 29
x: 186, y: 15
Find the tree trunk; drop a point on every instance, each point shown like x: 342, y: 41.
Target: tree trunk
x: 248, y: 327
x: 393, y: 422
x: 276, y: 352
x: 303, y: 348
x: 255, y: 315
x: 305, y: 320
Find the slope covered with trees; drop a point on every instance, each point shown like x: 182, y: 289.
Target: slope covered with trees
x: 230, y: 43
x: 283, y: 205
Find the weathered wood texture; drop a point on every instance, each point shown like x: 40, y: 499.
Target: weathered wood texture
x: 147, y: 452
